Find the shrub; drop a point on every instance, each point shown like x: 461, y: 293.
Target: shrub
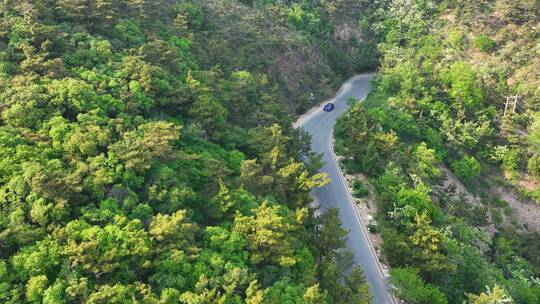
x: 484, y: 43
x: 413, y: 289
x: 466, y: 169
x: 359, y: 190
x: 533, y: 165
x: 456, y: 38
x: 496, y: 217
x: 508, y: 211
x: 373, y: 228
x: 500, y: 203
x: 479, y: 216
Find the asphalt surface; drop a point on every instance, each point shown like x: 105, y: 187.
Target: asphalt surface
x: 320, y: 125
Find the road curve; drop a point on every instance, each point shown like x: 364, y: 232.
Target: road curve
x: 320, y: 125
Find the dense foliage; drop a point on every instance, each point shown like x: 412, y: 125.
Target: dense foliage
x: 147, y: 154
x: 439, y: 103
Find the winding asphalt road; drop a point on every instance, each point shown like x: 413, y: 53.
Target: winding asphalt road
x: 320, y: 125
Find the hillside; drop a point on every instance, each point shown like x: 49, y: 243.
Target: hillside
x: 147, y: 153
x: 449, y: 140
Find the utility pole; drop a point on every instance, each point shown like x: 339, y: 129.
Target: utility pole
x: 512, y: 101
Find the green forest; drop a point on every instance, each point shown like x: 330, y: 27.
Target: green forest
x: 148, y: 155
x: 449, y: 139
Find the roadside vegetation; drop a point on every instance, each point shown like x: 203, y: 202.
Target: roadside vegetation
x: 449, y: 139
x: 147, y: 153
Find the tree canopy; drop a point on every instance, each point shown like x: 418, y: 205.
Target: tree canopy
x: 147, y: 153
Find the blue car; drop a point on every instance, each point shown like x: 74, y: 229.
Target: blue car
x: 328, y: 107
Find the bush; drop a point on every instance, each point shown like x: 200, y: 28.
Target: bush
x: 484, y: 43
x: 479, y: 216
x: 410, y: 287
x: 500, y: 203
x: 496, y: 217
x: 359, y: 190
x: 533, y: 165
x: 456, y: 39
x: 372, y: 163
x: 466, y: 169
x: 373, y: 228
